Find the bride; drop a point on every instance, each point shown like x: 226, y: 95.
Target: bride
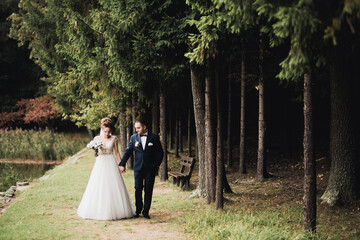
x: 106, y: 196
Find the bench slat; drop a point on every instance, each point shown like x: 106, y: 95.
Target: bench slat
x: 186, y: 164
x: 186, y: 158
x: 177, y: 174
x: 181, y: 178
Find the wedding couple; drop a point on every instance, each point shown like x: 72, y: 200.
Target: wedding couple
x: 106, y: 196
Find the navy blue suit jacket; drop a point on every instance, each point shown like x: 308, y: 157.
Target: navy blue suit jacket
x: 150, y: 158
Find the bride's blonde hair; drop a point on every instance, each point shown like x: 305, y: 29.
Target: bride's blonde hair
x: 106, y: 122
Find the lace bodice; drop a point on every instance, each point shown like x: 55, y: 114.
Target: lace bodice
x: 107, y: 145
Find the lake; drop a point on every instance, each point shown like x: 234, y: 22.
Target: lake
x: 11, y: 173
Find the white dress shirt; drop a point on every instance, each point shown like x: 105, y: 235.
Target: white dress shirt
x: 143, y: 141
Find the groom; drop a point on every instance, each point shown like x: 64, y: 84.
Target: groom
x: 148, y: 157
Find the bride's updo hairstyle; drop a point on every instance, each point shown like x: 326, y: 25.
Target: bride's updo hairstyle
x: 106, y: 122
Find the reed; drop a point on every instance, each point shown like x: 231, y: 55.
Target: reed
x: 39, y: 145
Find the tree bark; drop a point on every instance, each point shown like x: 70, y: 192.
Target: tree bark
x: 229, y: 129
x: 226, y: 186
x: 309, y: 199
x: 220, y: 150
x: 177, y: 135
x: 155, y: 115
x: 261, y: 172
x: 180, y: 136
x: 171, y: 132
x: 130, y: 132
x: 189, y: 132
x: 90, y: 132
x: 133, y: 111
x: 210, y: 154
x: 198, y: 93
x: 164, y: 164
x: 242, y: 167
x: 343, y: 186
x: 122, y: 125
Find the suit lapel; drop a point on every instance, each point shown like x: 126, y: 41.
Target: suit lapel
x: 147, y: 140
x: 138, y: 139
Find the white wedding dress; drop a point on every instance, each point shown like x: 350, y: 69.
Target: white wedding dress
x: 106, y: 196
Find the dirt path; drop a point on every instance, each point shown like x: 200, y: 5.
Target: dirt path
x: 160, y: 226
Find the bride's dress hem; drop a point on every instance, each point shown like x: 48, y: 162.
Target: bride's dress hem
x: 114, y: 219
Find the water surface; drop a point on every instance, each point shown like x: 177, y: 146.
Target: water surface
x: 11, y: 173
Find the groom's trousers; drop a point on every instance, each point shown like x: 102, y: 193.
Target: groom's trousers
x: 144, y: 179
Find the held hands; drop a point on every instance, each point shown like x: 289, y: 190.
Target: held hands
x: 122, y: 169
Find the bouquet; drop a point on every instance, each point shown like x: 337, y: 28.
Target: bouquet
x: 96, y: 146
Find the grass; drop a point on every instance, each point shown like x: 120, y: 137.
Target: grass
x: 39, y: 145
x: 267, y: 210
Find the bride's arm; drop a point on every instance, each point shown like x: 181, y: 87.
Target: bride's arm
x: 116, y: 148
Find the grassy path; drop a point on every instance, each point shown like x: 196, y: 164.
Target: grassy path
x: 267, y: 210
x: 47, y: 210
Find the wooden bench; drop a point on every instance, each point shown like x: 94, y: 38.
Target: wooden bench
x: 181, y: 178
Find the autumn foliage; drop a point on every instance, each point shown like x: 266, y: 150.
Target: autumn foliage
x: 37, y: 110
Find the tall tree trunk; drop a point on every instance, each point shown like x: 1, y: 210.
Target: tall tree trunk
x: 229, y: 129
x: 90, y: 132
x: 164, y: 164
x: 343, y: 186
x: 226, y: 186
x: 220, y: 150
x: 155, y: 115
x: 122, y: 125
x: 177, y: 135
x: 189, y: 132
x: 309, y: 199
x: 198, y: 93
x: 261, y: 172
x: 133, y: 118
x: 171, y: 131
x: 242, y: 165
x: 210, y: 154
x: 130, y: 132
x: 133, y: 111
x: 181, y: 149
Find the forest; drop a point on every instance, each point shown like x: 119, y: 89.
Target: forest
x: 242, y: 83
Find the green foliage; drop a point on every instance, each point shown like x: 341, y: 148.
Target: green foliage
x: 8, y: 176
x: 297, y: 22
x: 96, y: 53
x: 19, y: 76
x: 39, y: 145
x: 214, y: 20
x: 349, y: 14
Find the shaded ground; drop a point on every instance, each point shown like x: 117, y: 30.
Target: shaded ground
x: 284, y: 188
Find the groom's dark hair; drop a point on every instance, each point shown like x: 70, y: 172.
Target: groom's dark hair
x: 141, y: 121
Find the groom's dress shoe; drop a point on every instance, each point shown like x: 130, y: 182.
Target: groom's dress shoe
x: 136, y: 215
x: 146, y: 215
